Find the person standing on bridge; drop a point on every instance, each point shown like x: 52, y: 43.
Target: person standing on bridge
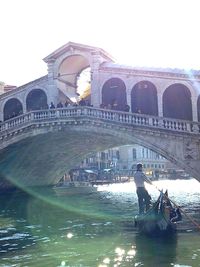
x: 144, y: 199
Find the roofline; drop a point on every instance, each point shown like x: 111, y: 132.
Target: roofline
x: 77, y: 45
x: 164, y: 72
x: 21, y: 87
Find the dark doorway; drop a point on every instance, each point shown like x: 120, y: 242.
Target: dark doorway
x: 12, y: 108
x: 144, y: 98
x: 177, y: 102
x: 114, y: 94
x: 36, y: 100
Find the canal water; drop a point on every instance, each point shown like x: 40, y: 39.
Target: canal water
x: 39, y: 228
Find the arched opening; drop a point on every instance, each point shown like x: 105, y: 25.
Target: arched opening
x: 73, y: 73
x: 83, y: 84
x: 114, y: 94
x: 177, y: 102
x: 12, y: 108
x: 144, y: 98
x: 36, y: 100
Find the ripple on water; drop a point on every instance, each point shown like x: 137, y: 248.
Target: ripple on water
x: 15, y: 236
x: 3, y: 231
x: 72, y: 240
x: 180, y: 265
x: 33, y: 226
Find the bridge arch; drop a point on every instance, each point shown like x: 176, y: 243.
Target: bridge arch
x: 70, y: 134
x: 77, y: 58
x: 68, y: 73
x: 12, y: 108
x: 71, y: 66
x: 83, y: 85
x: 144, y: 98
x: 177, y: 102
x: 114, y: 94
x: 60, y: 142
x: 36, y: 100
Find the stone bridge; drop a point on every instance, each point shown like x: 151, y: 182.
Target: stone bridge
x: 38, y: 147
x: 155, y: 108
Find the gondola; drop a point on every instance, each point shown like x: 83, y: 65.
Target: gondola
x: 161, y: 219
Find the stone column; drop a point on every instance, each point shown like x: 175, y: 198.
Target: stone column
x: 95, y: 83
x: 194, y: 108
x: 24, y: 106
x: 160, y: 104
x: 128, y: 94
x: 52, y: 87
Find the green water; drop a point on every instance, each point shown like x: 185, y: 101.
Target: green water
x: 39, y: 228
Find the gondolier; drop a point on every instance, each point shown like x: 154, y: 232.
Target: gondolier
x: 144, y: 199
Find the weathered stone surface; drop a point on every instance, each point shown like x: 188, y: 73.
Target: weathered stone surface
x: 41, y: 149
x: 42, y: 159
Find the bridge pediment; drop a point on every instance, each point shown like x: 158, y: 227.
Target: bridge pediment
x: 70, y: 47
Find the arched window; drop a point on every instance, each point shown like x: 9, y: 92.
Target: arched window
x: 12, y: 108
x: 114, y: 94
x: 36, y: 100
x: 144, y: 98
x: 177, y: 102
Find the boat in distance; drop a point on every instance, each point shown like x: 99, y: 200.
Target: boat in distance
x: 75, y: 187
x: 161, y: 219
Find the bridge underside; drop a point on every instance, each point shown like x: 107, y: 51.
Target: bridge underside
x: 43, y: 159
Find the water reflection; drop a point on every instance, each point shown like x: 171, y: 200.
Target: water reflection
x: 156, y: 251
x: 93, y: 230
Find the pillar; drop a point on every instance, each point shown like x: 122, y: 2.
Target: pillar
x: 128, y: 92
x: 52, y: 87
x: 24, y: 106
x: 160, y: 104
x: 95, y: 80
x: 194, y: 108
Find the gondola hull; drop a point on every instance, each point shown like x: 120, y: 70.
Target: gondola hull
x: 158, y: 220
x: 154, y: 226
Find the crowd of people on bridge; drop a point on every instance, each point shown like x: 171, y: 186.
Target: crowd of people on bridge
x: 83, y: 102
x: 115, y: 106
x: 67, y: 103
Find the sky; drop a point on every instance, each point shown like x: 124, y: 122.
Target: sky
x: 147, y: 33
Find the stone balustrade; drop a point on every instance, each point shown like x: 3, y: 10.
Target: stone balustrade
x: 64, y: 114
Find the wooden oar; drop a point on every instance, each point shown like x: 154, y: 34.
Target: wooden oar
x: 186, y: 215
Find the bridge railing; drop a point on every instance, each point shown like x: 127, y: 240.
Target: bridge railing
x: 62, y: 114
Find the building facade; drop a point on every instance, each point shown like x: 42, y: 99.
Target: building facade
x: 126, y: 158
